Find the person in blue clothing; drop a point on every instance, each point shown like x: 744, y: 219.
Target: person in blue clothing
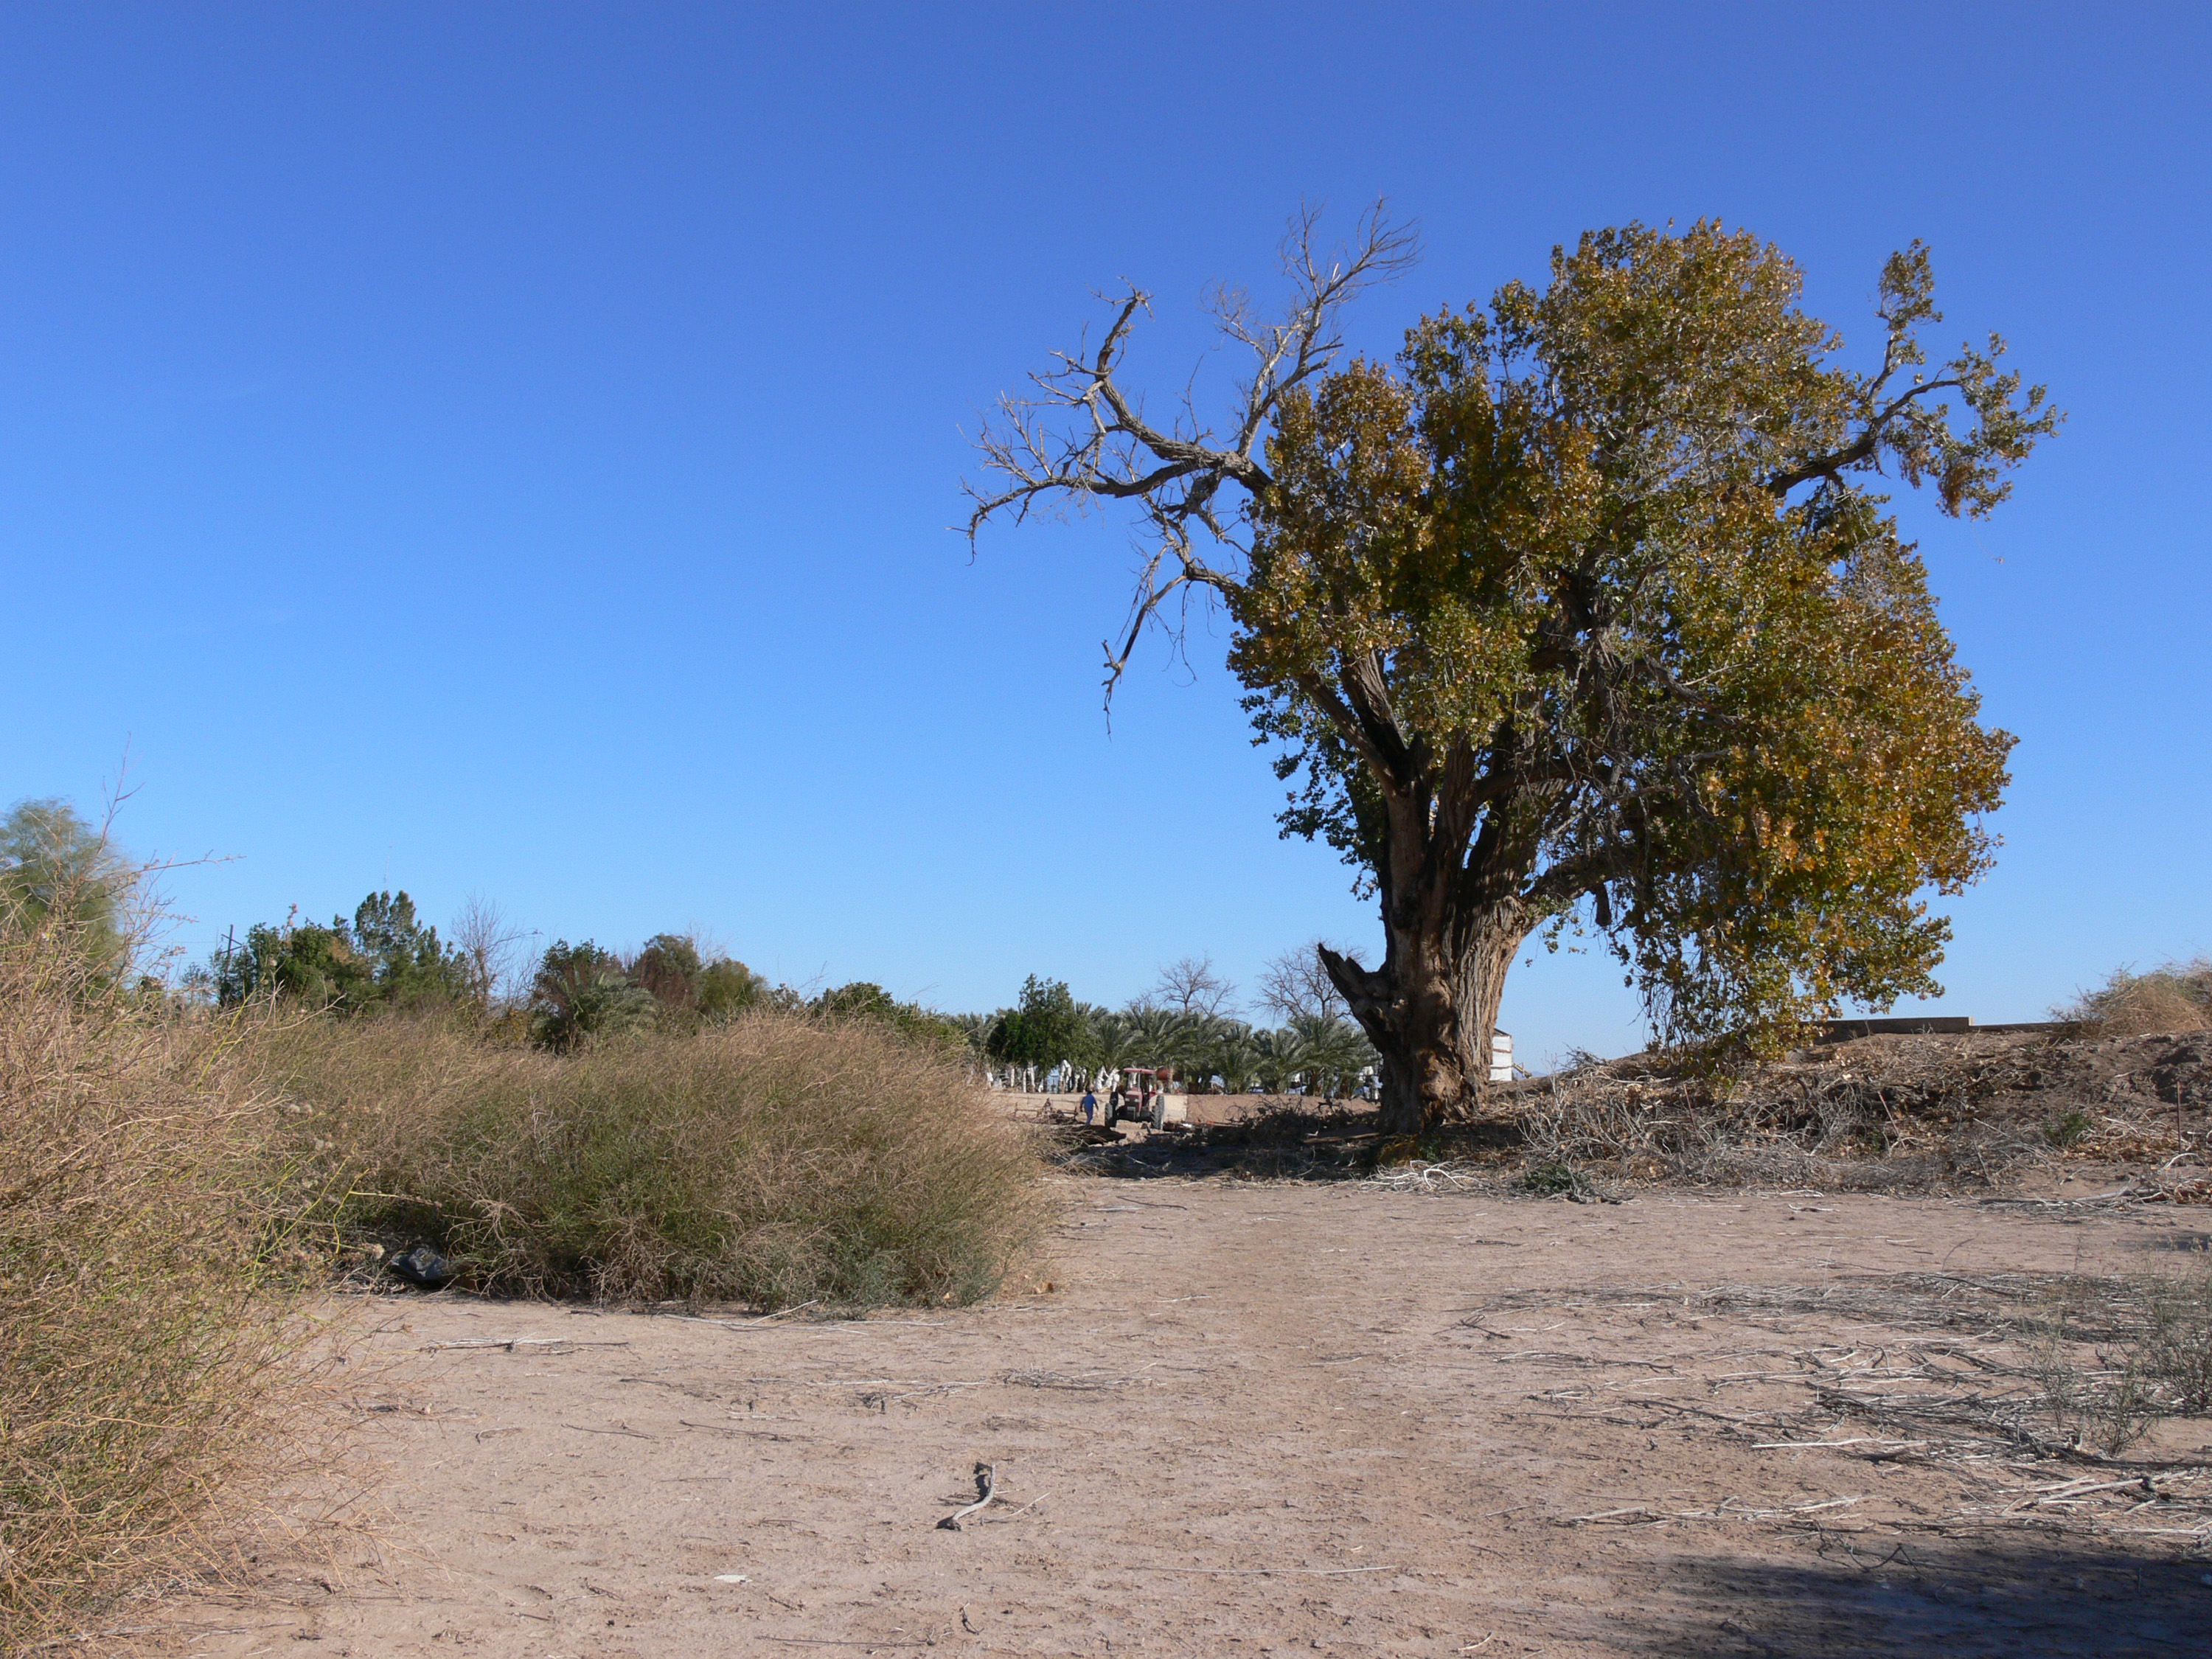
x: 1089, y: 1106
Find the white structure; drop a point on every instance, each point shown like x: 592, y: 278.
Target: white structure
x: 1501, y: 1057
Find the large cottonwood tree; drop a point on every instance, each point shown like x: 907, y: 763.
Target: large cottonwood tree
x: 1585, y: 611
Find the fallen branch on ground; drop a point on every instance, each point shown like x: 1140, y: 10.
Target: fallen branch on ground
x: 987, y: 1488
x: 511, y: 1343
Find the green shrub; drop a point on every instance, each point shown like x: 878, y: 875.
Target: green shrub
x: 386, y: 958
x: 580, y: 993
x: 690, y: 989
x: 2069, y: 1129
x: 775, y: 1159
x: 1554, y: 1178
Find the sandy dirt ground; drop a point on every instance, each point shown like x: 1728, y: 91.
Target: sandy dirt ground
x: 1263, y: 1417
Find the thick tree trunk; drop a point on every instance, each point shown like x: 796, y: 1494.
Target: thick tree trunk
x: 1452, y: 844
x: 1431, y: 1010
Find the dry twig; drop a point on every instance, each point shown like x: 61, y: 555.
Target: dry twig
x: 987, y: 1488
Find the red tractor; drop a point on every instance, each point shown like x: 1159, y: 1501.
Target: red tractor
x: 1144, y: 1097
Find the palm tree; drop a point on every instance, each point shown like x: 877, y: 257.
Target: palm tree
x: 580, y: 991
x: 1164, y: 1035
x: 1279, y: 1056
x: 1234, y: 1054
x: 1118, y: 1043
x: 1333, y: 1051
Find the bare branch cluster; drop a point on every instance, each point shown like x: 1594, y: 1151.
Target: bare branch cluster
x: 1296, y: 985
x: 491, y: 947
x: 1078, y: 436
x: 1193, y: 987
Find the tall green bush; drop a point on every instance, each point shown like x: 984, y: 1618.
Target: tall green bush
x: 57, y: 870
x: 384, y: 957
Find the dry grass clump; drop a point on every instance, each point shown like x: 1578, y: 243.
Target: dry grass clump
x: 2175, y: 997
x: 776, y: 1160
x: 143, y: 1323
x: 2115, y: 1356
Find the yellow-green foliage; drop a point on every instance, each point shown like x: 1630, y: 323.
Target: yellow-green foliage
x: 1551, y: 559
x: 142, y: 1332
x: 777, y: 1159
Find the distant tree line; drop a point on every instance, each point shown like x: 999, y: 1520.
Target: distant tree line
x: 581, y: 991
x: 1185, y: 1024
x: 384, y: 959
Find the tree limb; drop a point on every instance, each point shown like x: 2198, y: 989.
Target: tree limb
x: 1080, y: 437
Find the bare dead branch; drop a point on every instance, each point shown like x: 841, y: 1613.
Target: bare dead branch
x: 1079, y: 436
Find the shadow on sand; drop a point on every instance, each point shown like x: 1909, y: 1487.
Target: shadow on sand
x: 2050, y: 1596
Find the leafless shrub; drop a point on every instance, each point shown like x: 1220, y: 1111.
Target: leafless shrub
x: 2175, y: 1348
x: 2114, y: 1356
x: 490, y: 945
x: 2097, y: 1403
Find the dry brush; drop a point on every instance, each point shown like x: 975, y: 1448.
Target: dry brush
x: 148, y: 1273
x: 774, y: 1160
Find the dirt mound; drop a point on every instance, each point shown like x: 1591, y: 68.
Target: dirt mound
x: 1971, y: 1109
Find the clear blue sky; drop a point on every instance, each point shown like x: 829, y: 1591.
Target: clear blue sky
x: 510, y: 449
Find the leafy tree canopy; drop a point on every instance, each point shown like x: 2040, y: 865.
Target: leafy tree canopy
x: 384, y: 957
x: 686, y: 985
x: 725, y: 987
x: 1547, y: 582
x: 1048, y: 1028
x: 55, y: 868
x: 669, y: 968
x: 862, y: 999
